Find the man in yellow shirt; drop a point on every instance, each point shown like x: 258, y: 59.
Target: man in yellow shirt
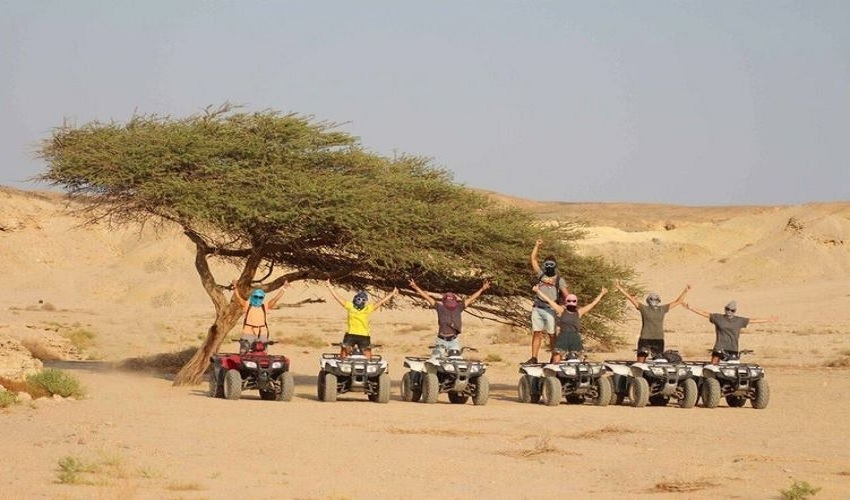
x: 359, y: 311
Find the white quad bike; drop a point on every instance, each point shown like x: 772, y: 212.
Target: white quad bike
x: 353, y: 373
x: 656, y: 381
x: 574, y: 379
x: 450, y: 372
x: 733, y: 380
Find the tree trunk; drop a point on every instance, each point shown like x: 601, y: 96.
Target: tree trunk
x: 192, y: 373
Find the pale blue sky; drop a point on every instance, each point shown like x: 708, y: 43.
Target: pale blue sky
x: 698, y: 103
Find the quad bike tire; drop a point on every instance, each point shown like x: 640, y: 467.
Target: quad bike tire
x: 458, y: 398
x: 639, y: 392
x: 216, y: 381
x: 551, y: 391
x: 604, y: 391
x: 690, y: 393
x: 232, y: 384
x: 320, y: 385
x: 408, y: 393
x: 287, y: 387
x: 482, y: 391
x: 430, y: 388
x: 383, y: 395
x: 526, y: 390
x: 762, y: 397
x: 327, y: 387
x: 710, y: 393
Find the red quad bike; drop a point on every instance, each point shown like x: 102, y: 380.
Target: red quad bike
x: 254, y: 368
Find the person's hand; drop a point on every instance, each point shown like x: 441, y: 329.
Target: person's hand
x: 395, y: 290
x: 328, y: 283
x: 538, y: 242
x: 603, y: 291
x: 686, y: 306
x: 687, y: 287
x: 535, y: 289
x: 617, y: 284
x: 412, y: 283
x: 485, y: 285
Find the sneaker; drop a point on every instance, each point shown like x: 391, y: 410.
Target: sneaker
x: 531, y: 361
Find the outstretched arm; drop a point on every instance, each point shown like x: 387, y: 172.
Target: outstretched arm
x: 763, y: 320
x: 425, y: 295
x: 631, y: 299
x: 386, y: 298
x: 472, y: 298
x: 554, y: 305
x: 586, y: 309
x: 697, y: 310
x: 278, y: 295
x: 534, y: 264
x: 680, y: 298
x: 333, y: 293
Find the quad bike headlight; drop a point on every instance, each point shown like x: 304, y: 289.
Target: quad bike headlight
x: 728, y: 372
x: 570, y: 370
x: 276, y: 365
x: 658, y: 370
x: 683, y: 372
x: 372, y: 369
x: 345, y: 368
x: 449, y: 367
x: 474, y: 368
x: 250, y: 364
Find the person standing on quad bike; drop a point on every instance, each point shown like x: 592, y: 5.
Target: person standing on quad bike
x: 543, y: 319
x: 449, y: 315
x: 569, y: 322
x: 255, y: 323
x: 727, y: 328
x: 652, y: 320
x: 359, y: 309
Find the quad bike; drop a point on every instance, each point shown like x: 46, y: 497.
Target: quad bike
x: 656, y: 381
x: 252, y: 368
x: 353, y: 373
x: 450, y: 372
x: 735, y: 381
x: 576, y: 380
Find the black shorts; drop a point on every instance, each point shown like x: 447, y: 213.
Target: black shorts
x: 725, y: 355
x: 362, y: 341
x: 650, y: 346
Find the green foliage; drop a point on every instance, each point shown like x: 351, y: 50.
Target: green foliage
x: 72, y: 470
x: 57, y: 382
x: 7, y: 398
x: 799, y: 490
x: 309, y: 199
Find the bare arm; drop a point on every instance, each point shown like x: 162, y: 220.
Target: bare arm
x: 697, y: 310
x: 386, y: 298
x: 763, y: 320
x: 278, y: 295
x: 631, y: 299
x: 472, y: 298
x: 333, y: 293
x: 586, y: 309
x: 425, y: 295
x: 534, y: 264
x: 554, y: 305
x: 680, y: 298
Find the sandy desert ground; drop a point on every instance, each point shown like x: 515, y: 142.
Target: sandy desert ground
x: 137, y: 295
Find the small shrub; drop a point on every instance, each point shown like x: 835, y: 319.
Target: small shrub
x: 17, y: 386
x: 493, y: 358
x: 57, y: 382
x: 72, y: 468
x: 799, y: 490
x: 81, y: 338
x: 7, y: 398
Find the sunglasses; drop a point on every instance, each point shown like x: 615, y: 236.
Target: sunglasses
x: 257, y: 296
x: 572, y: 302
x: 730, y: 310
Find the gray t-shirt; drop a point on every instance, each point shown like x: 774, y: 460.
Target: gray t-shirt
x: 652, y: 321
x: 727, y: 330
x: 549, y: 290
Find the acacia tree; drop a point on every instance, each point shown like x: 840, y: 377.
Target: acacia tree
x: 271, y: 191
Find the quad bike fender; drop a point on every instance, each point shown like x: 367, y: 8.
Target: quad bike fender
x: 619, y: 369
x: 710, y: 371
x: 534, y: 371
x: 231, y: 362
x: 416, y: 365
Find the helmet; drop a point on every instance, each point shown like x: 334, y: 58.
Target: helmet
x: 360, y: 299
x: 450, y: 301
x: 653, y: 299
x: 257, y: 297
x: 549, y: 266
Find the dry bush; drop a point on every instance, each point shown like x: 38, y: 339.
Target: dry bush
x: 18, y: 386
x: 677, y: 486
x: 542, y: 446
x: 507, y: 334
x: 39, y: 350
x: 167, y: 362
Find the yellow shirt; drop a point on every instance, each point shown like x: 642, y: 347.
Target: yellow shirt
x: 358, y: 319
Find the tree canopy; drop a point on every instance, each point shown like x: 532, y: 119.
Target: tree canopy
x: 273, y: 191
